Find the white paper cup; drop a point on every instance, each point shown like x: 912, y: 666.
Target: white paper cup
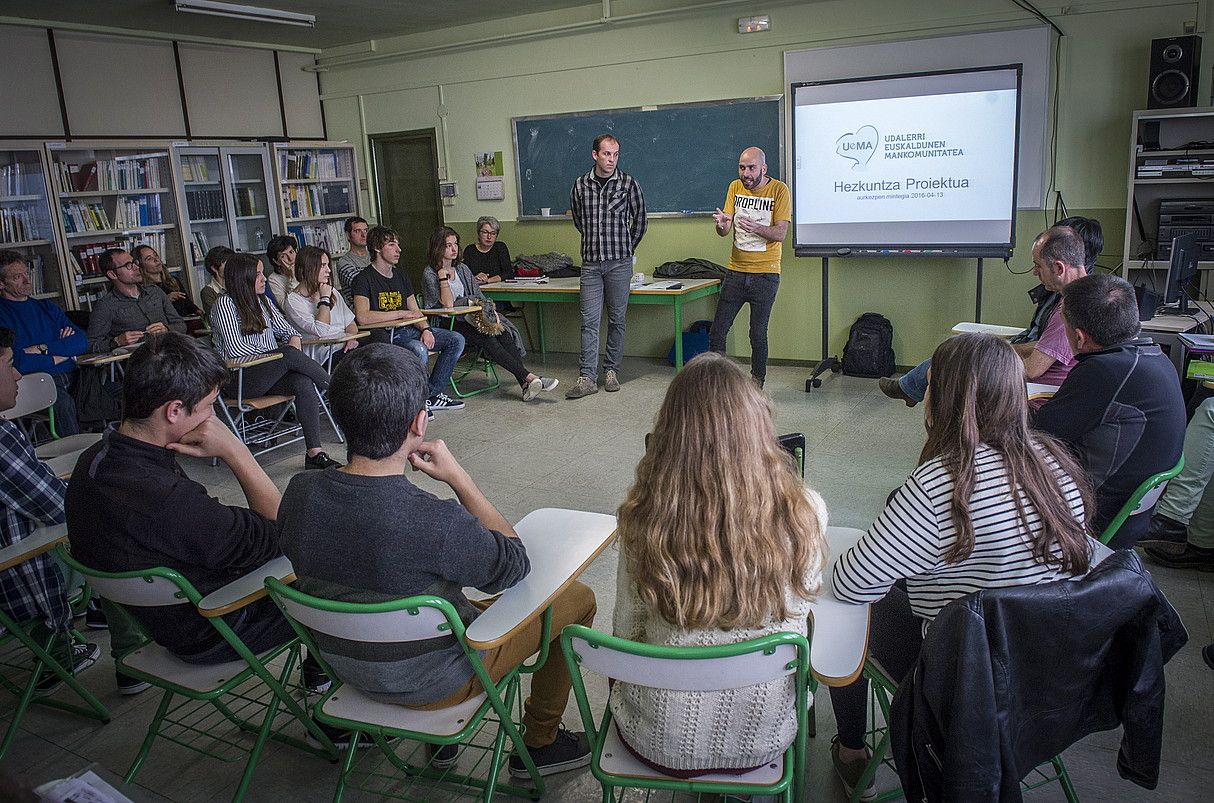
x: 546, y: 211
x: 638, y: 278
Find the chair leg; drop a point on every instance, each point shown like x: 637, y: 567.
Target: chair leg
x: 324, y: 405
x: 1064, y: 778
x: 153, y: 730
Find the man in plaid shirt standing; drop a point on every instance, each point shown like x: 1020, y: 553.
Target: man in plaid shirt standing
x: 31, y: 496
x: 609, y: 211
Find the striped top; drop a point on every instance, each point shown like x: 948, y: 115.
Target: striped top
x: 911, y: 536
x: 234, y: 344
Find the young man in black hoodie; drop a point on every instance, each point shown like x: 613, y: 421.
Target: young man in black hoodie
x: 1120, y: 407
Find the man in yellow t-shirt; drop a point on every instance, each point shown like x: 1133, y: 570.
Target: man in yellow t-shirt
x: 758, y: 208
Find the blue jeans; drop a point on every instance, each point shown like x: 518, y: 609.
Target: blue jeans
x: 604, y: 281
x: 448, y: 344
x: 758, y: 290
x: 914, y: 381
x: 66, y: 422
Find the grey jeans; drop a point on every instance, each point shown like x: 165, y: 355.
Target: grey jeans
x: 604, y: 281
x: 1189, y: 498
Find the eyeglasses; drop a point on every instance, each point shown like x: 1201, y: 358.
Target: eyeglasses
x: 131, y: 264
x: 489, y: 232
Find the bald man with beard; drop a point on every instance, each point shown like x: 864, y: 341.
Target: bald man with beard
x: 758, y: 208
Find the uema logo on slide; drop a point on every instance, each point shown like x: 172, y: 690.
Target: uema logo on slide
x: 859, y: 145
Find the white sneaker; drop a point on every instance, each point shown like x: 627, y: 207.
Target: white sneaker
x: 533, y: 389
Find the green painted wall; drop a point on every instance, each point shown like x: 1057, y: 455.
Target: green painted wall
x: 699, y: 56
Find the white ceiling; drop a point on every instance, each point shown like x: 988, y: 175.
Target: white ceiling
x: 338, y: 22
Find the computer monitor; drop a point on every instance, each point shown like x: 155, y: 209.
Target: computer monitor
x: 1181, y: 271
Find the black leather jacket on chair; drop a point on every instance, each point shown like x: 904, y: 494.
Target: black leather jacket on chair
x: 1009, y: 678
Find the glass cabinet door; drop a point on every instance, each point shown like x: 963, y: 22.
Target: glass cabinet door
x: 247, y: 174
x: 206, y: 206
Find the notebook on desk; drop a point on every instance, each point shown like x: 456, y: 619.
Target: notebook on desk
x: 661, y: 286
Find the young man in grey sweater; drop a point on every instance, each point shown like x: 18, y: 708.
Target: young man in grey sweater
x: 365, y: 533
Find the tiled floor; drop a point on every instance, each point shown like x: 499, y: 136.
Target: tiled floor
x: 581, y: 454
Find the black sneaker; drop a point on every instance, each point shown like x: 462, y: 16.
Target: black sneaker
x: 1207, y: 652
x: 94, y: 617
x: 568, y: 751
x: 1164, y: 530
x: 441, y: 401
x: 315, y: 681
x: 1181, y: 556
x: 320, y: 460
x: 84, y: 655
x: 443, y: 756
x: 128, y: 685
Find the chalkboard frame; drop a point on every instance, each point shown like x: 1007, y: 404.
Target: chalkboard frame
x: 518, y: 181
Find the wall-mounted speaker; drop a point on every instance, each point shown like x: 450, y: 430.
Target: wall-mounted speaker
x: 1174, y: 65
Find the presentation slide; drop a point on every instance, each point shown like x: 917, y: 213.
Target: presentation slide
x: 915, y: 164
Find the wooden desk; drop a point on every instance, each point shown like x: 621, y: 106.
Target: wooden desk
x: 568, y: 290
x: 249, y: 362
x: 113, y: 359
x: 391, y: 326
x: 63, y: 465
x: 243, y: 590
x: 39, y: 541
x: 1163, y: 329
x: 464, y: 310
x: 1037, y: 390
x: 839, y: 642
x: 560, y: 545
x: 345, y: 337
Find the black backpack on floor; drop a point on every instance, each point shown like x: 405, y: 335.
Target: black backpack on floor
x: 870, y: 347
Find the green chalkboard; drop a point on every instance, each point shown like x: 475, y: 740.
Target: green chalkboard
x: 684, y: 156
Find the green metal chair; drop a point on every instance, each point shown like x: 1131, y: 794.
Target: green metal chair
x: 1142, y: 500
x: 720, y: 667
x: 247, y: 693
x: 402, y: 621
x: 26, y: 655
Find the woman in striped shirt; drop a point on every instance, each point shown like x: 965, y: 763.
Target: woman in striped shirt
x: 992, y: 504
x: 245, y: 324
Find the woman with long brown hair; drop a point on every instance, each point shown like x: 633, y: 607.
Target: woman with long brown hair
x: 992, y: 504
x: 316, y: 309
x: 246, y: 324
x: 447, y: 282
x: 720, y: 542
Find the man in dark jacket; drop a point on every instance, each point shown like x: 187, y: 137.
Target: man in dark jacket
x: 1009, y: 678
x: 1120, y: 408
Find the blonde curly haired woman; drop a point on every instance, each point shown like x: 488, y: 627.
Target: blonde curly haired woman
x: 720, y: 542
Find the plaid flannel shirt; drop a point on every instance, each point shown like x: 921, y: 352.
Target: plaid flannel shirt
x: 32, y: 496
x: 611, y: 218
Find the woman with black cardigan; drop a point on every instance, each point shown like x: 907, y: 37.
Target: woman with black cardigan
x: 245, y: 324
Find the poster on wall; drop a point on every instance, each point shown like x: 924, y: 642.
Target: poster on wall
x: 490, y: 186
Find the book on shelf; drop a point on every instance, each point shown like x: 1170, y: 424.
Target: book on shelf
x: 329, y: 236
x: 335, y: 199
x: 85, y: 258
x: 18, y: 225
x: 104, y: 175
x: 301, y: 201
x: 20, y: 179
x: 199, y: 247
x: 194, y: 168
x: 84, y: 216
x: 138, y: 210
x: 246, y: 201
x: 296, y: 164
x: 204, y: 204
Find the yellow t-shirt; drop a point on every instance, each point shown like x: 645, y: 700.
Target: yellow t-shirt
x: 767, y: 205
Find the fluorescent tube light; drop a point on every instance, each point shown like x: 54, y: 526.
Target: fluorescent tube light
x: 252, y: 13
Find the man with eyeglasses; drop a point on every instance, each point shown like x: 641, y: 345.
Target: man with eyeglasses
x: 131, y: 310
x: 354, y: 261
x: 45, y: 340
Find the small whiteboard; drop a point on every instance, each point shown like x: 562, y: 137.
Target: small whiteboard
x: 1031, y: 47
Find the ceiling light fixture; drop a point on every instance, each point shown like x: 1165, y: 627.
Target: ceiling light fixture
x: 251, y: 13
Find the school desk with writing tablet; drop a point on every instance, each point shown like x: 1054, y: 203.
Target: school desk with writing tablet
x: 1006, y: 332
x: 568, y: 291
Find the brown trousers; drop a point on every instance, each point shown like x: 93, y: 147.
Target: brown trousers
x: 551, y: 684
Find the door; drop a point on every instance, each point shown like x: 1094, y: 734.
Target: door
x: 406, y: 186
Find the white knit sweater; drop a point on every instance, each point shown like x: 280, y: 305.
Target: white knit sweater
x: 735, y: 728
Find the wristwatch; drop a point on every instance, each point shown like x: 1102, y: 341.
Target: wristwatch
x: 42, y: 348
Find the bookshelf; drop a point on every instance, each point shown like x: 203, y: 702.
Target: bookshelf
x: 26, y: 224
x: 225, y: 192
x: 318, y: 187
x: 112, y: 195
x: 1171, y: 162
